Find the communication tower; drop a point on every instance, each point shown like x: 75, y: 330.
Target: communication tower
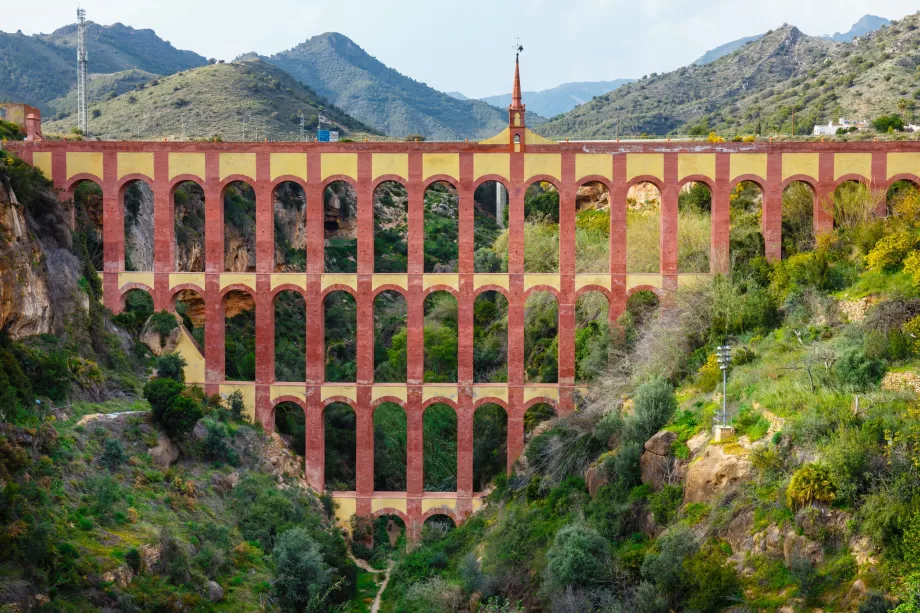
x: 82, y: 121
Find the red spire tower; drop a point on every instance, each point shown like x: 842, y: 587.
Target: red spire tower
x: 516, y: 110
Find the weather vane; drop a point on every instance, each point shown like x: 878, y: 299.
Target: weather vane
x: 518, y: 48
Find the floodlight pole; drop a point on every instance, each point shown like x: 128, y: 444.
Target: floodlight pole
x: 724, y: 353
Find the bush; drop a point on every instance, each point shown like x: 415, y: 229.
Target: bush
x: 653, y: 405
x: 163, y: 323
x: 435, y: 595
x: 578, y: 558
x: 217, y: 444
x: 912, y: 266
x: 890, y: 251
x: 160, y: 393
x: 665, y: 567
x: 888, y: 123
x: 809, y: 484
x: 133, y: 560
x: 712, y: 584
x: 113, y: 454
x: 665, y: 503
x: 855, y: 370
x: 171, y: 366
x: 237, y: 406
x: 302, y: 578
x: 181, y: 416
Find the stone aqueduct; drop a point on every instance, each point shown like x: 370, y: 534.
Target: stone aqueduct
x: 516, y: 158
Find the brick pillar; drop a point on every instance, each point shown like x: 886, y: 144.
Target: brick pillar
x: 618, y: 239
x: 113, y: 233
x: 163, y: 231
x: 415, y: 301
x: 824, y: 194
x: 465, y: 268
x: 214, y: 217
x: 314, y: 466
x: 566, y: 326
x: 415, y: 478
x: 315, y: 335
x: 265, y: 218
x: 515, y: 425
x: 720, y: 219
x: 264, y: 413
x: 58, y: 173
x: 772, y: 218
x: 880, y: 179
x: 669, y: 194
x: 265, y: 331
x: 364, y: 467
x: 365, y: 298
x: 213, y: 330
x: 465, y: 448
x: 516, y: 189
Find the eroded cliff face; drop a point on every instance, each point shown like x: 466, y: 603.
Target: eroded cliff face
x: 25, y: 304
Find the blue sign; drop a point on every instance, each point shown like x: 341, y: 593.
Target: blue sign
x: 322, y: 136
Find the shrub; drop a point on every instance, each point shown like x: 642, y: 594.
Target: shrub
x: 890, y: 251
x: 809, y: 484
x: 113, y: 454
x: 435, y: 595
x: 912, y: 330
x: 653, y: 405
x: 855, y: 370
x: 237, y: 406
x: 181, y: 416
x: 133, y: 560
x: 171, y: 366
x: 665, y: 567
x: 578, y: 558
x: 912, y: 266
x: 711, y: 583
x: 160, y: 393
x: 217, y: 444
x: 709, y: 376
x: 888, y: 123
x: 301, y: 576
x: 665, y: 503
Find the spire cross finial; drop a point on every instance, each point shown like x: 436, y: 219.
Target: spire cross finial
x: 517, y: 46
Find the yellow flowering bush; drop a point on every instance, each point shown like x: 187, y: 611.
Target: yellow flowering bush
x: 890, y: 251
x: 912, y: 265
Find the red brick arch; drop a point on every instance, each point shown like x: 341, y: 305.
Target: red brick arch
x: 646, y: 288
x: 755, y: 179
x: 122, y: 184
x: 174, y: 291
x: 605, y: 181
x: 391, y: 287
x: 388, y: 179
x: 489, y: 178
x: 277, y: 181
x: 73, y: 181
x: 707, y: 181
x: 452, y: 181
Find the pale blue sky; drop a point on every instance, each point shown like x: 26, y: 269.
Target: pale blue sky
x: 465, y: 45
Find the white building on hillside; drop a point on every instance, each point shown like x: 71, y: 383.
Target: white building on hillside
x: 831, y: 128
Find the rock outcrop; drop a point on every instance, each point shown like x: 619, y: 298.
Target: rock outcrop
x: 157, y: 343
x: 25, y: 304
x: 715, y: 471
x: 165, y: 453
x: 656, y: 463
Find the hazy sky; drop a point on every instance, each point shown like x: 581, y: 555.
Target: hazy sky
x: 466, y: 45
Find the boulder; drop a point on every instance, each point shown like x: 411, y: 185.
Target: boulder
x: 160, y: 345
x: 165, y: 453
x: 595, y: 480
x: 655, y: 463
x: 660, y: 443
x: 215, y: 592
x: 713, y: 473
x: 797, y: 547
x: 857, y: 592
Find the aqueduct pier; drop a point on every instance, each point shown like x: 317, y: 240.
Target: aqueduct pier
x: 515, y: 158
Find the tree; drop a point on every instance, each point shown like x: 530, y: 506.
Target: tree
x: 888, y: 123
x: 171, y: 366
x: 301, y: 575
x: 181, y: 416
x: 578, y: 558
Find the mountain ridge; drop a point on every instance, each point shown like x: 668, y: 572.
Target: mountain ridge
x: 560, y: 99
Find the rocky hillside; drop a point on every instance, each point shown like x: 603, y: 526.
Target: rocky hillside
x: 244, y: 100
x: 754, y: 89
x: 341, y: 71
x: 560, y: 99
x: 38, y: 69
x: 100, y: 87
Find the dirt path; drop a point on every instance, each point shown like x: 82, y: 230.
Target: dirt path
x: 363, y: 564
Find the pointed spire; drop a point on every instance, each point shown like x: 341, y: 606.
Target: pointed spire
x: 516, y: 104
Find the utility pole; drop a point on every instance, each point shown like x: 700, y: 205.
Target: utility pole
x: 303, y: 128
x: 82, y: 120
x: 793, y: 121
x: 618, y: 123
x: 724, y: 355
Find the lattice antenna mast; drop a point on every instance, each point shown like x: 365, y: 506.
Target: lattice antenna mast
x: 82, y: 120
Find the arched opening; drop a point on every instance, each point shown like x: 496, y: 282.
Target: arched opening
x: 439, y: 426
x: 390, y: 448
x: 490, y: 236
x: 340, y: 217
x: 899, y: 192
x: 239, y: 227
x: 88, y: 213
x: 592, y: 336
x: 341, y: 326
x: 536, y: 415
x: 541, y: 228
x: 490, y: 444
x: 436, y: 528
x: 390, y: 337
x: 389, y: 535
x: 391, y: 228
x: 289, y: 203
x: 138, y: 309
x: 745, y: 214
x: 441, y: 227
x: 440, y: 338
x: 592, y: 228
x: 189, y: 227
x: 190, y: 307
x: 541, y: 338
x: 290, y: 336
x: 340, y: 436
x: 853, y: 203
x: 490, y: 338
x: 138, y: 218
x: 798, y: 218
x: 643, y: 228
x: 239, y: 336
x: 291, y: 426
x: 694, y: 228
